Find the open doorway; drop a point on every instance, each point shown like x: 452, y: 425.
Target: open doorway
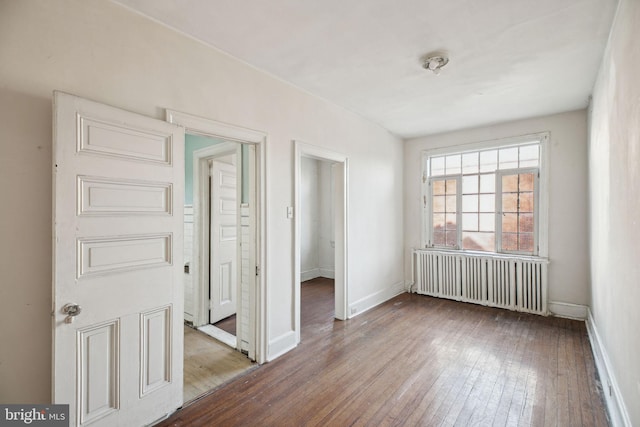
x: 216, y: 203
x: 226, y: 177
x: 321, y: 203
x: 214, y: 207
x: 317, y: 242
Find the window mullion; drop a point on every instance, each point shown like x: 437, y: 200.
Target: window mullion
x: 536, y: 211
x: 459, y: 212
x: 498, y: 210
x: 428, y: 206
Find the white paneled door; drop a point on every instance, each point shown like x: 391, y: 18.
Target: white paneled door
x: 117, y: 292
x: 224, y: 237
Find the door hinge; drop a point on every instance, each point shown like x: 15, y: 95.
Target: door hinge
x: 257, y: 270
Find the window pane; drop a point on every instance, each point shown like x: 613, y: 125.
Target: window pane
x: 478, y: 241
x: 438, y: 221
x: 487, y: 222
x: 510, y: 202
x: 488, y: 161
x: 438, y: 238
x: 510, y: 222
x: 451, y: 238
x: 470, y: 163
x: 509, y: 183
x: 438, y: 204
x: 526, y: 242
x: 529, y: 156
x: 518, y: 208
x: 453, y: 164
x: 508, y: 158
x: 529, y: 163
x: 438, y: 186
x: 487, y: 203
x: 526, y: 182
x: 526, y: 202
x: 525, y: 223
x: 470, y: 222
x: 470, y: 184
x: 451, y: 186
x: 451, y: 221
x: 444, y: 211
x: 509, y: 241
x: 451, y: 203
x: 469, y: 203
x: 488, y: 183
x: 437, y: 166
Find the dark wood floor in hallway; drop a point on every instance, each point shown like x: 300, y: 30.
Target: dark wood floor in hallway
x: 415, y: 360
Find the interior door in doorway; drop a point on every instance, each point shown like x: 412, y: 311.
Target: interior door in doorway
x: 224, y: 237
x: 117, y: 292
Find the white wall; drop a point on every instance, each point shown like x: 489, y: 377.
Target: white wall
x: 101, y: 51
x: 326, y: 230
x: 568, y: 252
x: 317, y: 254
x: 310, y: 218
x: 614, y: 165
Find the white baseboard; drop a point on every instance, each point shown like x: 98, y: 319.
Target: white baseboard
x: 618, y: 414
x: 317, y: 272
x: 309, y: 274
x: 567, y: 310
x: 280, y: 345
x: 375, y: 299
x: 329, y: 273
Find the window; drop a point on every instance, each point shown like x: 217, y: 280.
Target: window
x: 485, y: 199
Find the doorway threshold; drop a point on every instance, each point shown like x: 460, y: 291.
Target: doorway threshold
x: 222, y: 336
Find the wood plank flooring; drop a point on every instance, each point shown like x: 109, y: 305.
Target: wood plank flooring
x: 227, y: 325
x: 209, y: 363
x: 415, y: 360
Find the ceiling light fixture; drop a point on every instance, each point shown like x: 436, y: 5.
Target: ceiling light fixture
x: 435, y: 61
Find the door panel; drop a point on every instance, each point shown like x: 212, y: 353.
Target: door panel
x: 156, y: 349
x: 111, y: 255
x: 118, y: 227
x: 224, y: 241
x: 100, y: 371
x: 99, y: 196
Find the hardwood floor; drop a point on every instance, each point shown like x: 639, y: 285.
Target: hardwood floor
x: 227, y: 325
x: 316, y: 307
x: 416, y: 360
x: 209, y: 363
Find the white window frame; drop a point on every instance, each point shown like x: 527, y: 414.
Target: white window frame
x: 499, y: 213
x: 429, y: 196
x: 541, y: 215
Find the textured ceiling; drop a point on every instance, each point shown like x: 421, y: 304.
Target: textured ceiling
x: 509, y: 59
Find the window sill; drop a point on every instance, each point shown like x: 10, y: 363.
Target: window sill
x: 481, y: 254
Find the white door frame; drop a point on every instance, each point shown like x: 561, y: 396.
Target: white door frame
x: 201, y: 225
x: 341, y: 214
x: 258, y: 319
